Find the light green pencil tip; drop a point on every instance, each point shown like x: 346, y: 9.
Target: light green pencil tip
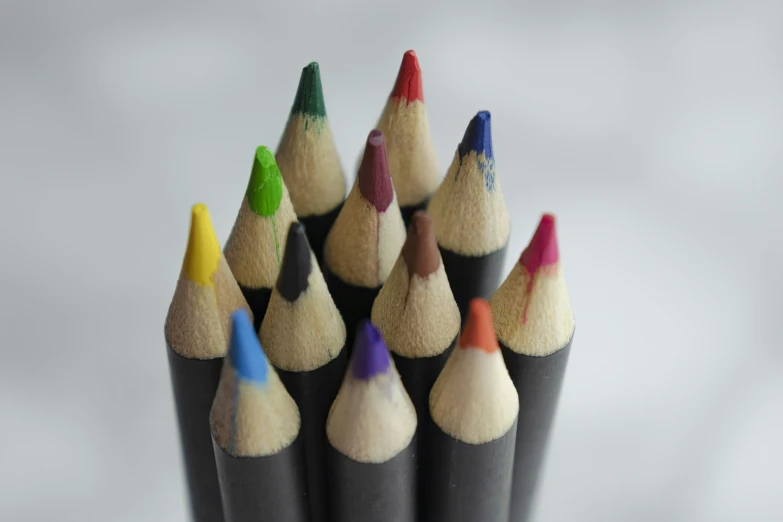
x: 265, y: 189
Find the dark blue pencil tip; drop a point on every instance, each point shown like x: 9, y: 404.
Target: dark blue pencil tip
x: 244, y: 351
x: 478, y: 136
x: 370, y: 355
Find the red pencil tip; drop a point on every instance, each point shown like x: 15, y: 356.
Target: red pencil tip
x: 479, y: 330
x: 408, y: 85
x: 375, y: 184
x: 542, y: 249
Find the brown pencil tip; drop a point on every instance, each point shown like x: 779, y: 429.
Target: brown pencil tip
x: 420, y: 250
x: 375, y: 184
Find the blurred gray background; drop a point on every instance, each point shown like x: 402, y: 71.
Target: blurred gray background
x: 653, y: 129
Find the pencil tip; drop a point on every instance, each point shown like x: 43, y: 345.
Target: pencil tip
x: 370, y: 354
x: 375, y: 184
x: 478, y: 136
x: 244, y: 351
x: 203, y: 251
x: 479, y: 330
x: 408, y: 85
x: 542, y: 249
x: 265, y: 189
x: 295, y: 269
x: 309, y: 99
x: 420, y: 250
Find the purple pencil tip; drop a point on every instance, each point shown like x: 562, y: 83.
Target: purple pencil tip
x: 375, y: 184
x: 370, y: 355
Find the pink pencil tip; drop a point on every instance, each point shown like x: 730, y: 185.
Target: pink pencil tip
x: 542, y: 249
x: 375, y: 184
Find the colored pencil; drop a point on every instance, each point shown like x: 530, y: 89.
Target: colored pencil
x: 419, y: 319
x: 256, y: 436
x: 470, y: 217
x: 366, y: 238
x: 413, y: 164
x: 196, y: 332
x: 474, y: 407
x: 535, y: 326
x: 304, y: 338
x: 257, y: 241
x: 308, y: 161
x: 371, y: 430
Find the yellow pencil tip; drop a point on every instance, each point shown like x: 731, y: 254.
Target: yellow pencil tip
x: 203, y: 252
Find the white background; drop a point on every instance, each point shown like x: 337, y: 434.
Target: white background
x: 652, y: 129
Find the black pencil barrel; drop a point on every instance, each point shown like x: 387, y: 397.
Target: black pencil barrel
x: 469, y: 482
x: 194, y: 382
x: 317, y: 227
x: 538, y: 381
x: 314, y: 392
x: 407, y: 212
x: 258, y: 301
x: 368, y: 492
x: 353, y: 302
x: 263, y: 488
x: 472, y: 276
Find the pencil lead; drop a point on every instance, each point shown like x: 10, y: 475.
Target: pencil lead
x: 370, y: 354
x: 265, y: 189
x: 309, y: 100
x: 244, y: 351
x: 295, y: 270
x: 420, y: 250
x: 375, y: 184
x: 203, y: 251
x: 478, y: 136
x: 542, y: 250
x: 479, y: 330
x: 408, y: 85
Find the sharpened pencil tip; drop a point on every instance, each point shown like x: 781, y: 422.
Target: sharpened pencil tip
x: 375, y: 184
x: 295, y: 269
x: 408, y: 85
x: 309, y: 99
x: 244, y: 351
x: 479, y: 330
x: 420, y: 250
x: 203, y: 251
x: 542, y: 249
x: 478, y: 136
x: 265, y: 189
x: 370, y: 354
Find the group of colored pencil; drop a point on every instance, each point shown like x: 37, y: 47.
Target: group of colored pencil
x: 318, y: 368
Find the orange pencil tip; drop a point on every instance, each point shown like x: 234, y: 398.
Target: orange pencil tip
x: 479, y: 330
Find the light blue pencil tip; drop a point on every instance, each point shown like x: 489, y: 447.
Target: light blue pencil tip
x: 244, y: 351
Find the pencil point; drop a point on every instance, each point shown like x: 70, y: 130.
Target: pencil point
x: 479, y: 330
x: 295, y: 270
x: 370, y: 354
x: 420, y: 250
x: 203, y: 251
x: 265, y: 189
x: 408, y: 85
x: 375, y: 184
x: 542, y: 249
x: 309, y: 99
x: 478, y: 136
x: 244, y: 351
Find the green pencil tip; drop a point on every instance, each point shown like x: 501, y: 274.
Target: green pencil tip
x: 309, y: 99
x: 265, y: 189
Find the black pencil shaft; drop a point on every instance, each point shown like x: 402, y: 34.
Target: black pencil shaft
x: 538, y: 381
x: 469, y: 482
x: 194, y: 383
x: 353, y: 302
x: 317, y: 227
x: 258, y: 301
x: 472, y: 276
x: 256, y: 489
x: 366, y: 492
x: 314, y: 392
x: 407, y: 212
